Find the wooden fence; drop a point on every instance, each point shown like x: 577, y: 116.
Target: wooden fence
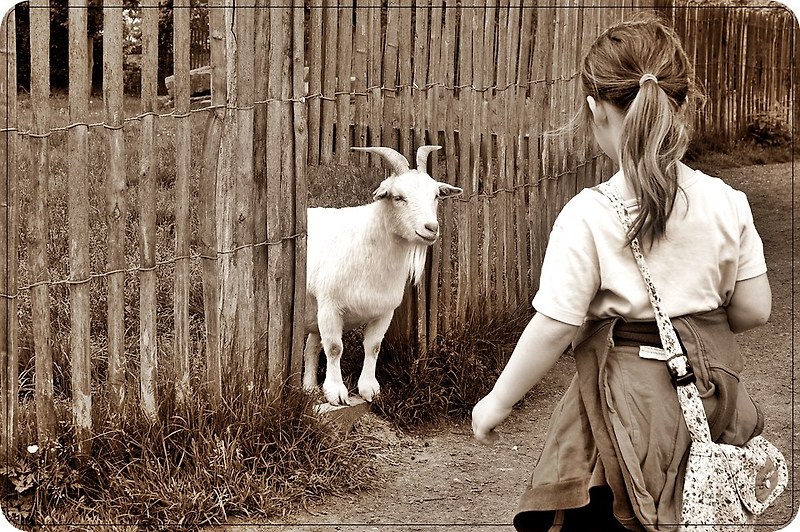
x: 211, y: 228
x: 744, y: 59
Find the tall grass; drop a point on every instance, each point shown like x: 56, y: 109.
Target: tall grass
x: 192, y: 467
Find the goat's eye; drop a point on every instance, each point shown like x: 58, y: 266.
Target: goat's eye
x: 399, y: 199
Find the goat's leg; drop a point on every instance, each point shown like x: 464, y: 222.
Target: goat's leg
x: 330, y: 331
x: 368, y: 386
x: 311, y: 358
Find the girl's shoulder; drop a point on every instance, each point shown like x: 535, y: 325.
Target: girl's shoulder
x: 714, y: 193
x: 587, y: 208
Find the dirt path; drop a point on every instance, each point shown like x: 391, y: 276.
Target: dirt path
x: 443, y: 480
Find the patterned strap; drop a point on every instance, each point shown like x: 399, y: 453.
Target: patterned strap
x: 678, y: 363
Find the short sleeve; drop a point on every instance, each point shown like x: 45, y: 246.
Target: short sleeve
x: 751, y: 250
x: 570, y: 275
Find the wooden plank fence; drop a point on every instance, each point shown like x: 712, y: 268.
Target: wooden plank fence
x: 743, y: 59
x: 297, y: 86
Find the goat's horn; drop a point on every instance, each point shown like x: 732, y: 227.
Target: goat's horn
x: 422, y: 157
x: 395, y: 159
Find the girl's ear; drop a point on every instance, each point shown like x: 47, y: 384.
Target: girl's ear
x: 597, y: 110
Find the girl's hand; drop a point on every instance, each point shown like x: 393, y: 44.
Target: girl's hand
x: 486, y: 415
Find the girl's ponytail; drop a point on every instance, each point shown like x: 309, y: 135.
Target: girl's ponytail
x: 640, y: 67
x: 654, y: 139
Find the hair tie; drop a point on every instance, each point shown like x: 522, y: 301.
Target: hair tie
x: 646, y: 77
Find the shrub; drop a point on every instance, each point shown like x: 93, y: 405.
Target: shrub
x: 771, y: 127
x: 459, y: 368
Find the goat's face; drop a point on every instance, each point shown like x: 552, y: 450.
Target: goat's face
x: 412, y: 200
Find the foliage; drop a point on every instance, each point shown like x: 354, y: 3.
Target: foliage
x: 59, y: 41
x: 445, y: 382
x: 192, y: 467
x: 771, y: 127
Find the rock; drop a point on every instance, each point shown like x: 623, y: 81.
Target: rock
x: 199, y: 82
x: 344, y: 415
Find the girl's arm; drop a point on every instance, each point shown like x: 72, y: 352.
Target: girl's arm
x: 750, y: 304
x: 541, y: 343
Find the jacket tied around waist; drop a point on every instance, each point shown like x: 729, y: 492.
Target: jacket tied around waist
x: 619, y: 424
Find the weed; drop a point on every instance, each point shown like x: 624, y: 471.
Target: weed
x: 456, y: 371
x: 193, y: 466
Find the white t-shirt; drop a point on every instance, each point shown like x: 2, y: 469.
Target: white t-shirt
x: 710, y: 243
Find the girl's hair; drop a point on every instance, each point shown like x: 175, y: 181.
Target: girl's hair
x: 654, y: 131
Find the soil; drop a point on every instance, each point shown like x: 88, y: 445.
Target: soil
x: 442, y: 479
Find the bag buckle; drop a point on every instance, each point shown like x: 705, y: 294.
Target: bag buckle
x: 681, y: 371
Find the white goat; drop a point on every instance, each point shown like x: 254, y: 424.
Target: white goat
x: 359, y: 259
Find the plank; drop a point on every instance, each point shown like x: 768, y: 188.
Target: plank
x: 207, y: 205
x: 301, y: 196
x: 78, y: 222
x: 315, y: 44
x: 425, y: 291
x: 277, y: 357
x: 148, y: 348
x: 9, y: 226
x: 432, y: 67
x: 343, y: 61
x: 329, y: 62
x: 116, y: 218
x: 46, y: 421
x: 183, y: 168
x: 260, y: 199
x: 244, y: 237
x: 360, y: 75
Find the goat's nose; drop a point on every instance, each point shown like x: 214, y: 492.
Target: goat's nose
x: 433, y: 227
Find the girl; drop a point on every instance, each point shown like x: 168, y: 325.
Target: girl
x: 615, y: 452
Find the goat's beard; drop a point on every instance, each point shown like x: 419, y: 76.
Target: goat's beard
x: 416, y: 263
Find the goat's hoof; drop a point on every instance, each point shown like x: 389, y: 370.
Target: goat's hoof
x: 368, y: 389
x: 336, y: 394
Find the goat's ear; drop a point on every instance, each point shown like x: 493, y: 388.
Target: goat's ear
x: 445, y: 190
x: 382, y: 191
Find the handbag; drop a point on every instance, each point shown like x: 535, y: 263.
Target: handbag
x: 723, y: 484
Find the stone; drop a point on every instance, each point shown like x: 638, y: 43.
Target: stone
x: 344, y: 416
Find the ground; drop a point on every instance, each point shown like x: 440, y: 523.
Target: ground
x: 441, y: 480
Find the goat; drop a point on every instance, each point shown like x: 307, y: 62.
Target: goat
x: 359, y: 260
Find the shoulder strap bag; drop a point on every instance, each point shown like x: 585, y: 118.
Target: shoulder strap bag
x: 723, y: 484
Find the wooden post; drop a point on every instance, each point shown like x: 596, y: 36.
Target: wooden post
x: 329, y: 36
x: 300, y: 127
x: 235, y: 200
x: 278, y: 362
x: 208, y: 207
x: 148, y: 349
x: 9, y: 363
x: 344, y: 86
x: 245, y: 230
x: 78, y: 216
x: 315, y: 62
x: 40, y: 147
x: 226, y: 202
x: 116, y: 205
x: 260, y: 253
x: 183, y: 165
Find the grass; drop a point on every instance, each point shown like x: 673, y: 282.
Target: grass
x: 193, y: 466
x: 196, y: 466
